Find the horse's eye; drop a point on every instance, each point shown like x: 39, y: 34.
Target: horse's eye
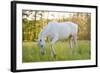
x: 40, y: 40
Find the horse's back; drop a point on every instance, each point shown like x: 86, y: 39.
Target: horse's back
x: 63, y: 30
x: 64, y: 26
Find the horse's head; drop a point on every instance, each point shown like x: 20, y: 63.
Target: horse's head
x: 41, y: 43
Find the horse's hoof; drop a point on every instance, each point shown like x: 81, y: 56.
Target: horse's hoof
x: 42, y: 53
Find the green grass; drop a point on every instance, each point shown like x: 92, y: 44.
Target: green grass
x: 31, y: 52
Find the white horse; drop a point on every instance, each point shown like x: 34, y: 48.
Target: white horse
x: 57, y: 31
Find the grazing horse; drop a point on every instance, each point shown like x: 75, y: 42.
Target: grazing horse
x: 57, y: 31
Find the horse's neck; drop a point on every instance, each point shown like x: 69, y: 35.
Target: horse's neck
x: 44, y: 33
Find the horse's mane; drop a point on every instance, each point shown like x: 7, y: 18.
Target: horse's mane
x: 42, y: 32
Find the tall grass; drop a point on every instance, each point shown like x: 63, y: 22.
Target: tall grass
x: 31, y: 52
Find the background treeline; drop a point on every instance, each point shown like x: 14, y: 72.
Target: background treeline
x: 33, y: 22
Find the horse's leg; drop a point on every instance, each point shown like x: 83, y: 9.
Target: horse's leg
x: 75, y: 40
x: 71, y: 41
x: 74, y: 43
x: 53, y: 52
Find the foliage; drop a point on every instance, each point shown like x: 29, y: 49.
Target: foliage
x: 34, y: 20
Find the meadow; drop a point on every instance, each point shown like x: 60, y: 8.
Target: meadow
x: 31, y: 52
